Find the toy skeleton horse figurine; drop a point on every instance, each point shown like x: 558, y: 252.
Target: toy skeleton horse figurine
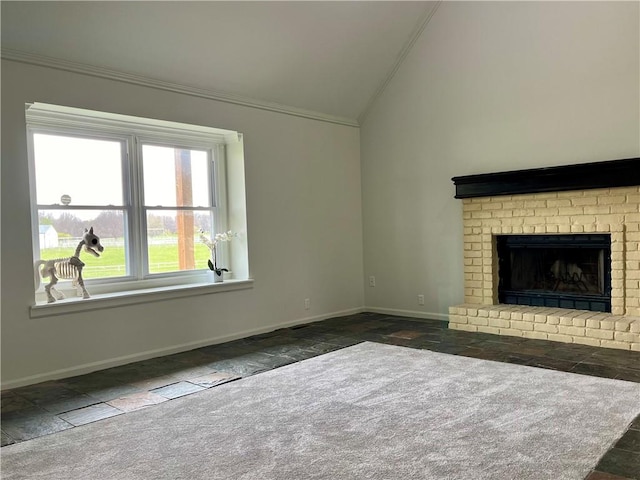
x: 69, y: 268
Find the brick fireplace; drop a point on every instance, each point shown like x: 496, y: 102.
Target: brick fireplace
x: 510, y: 208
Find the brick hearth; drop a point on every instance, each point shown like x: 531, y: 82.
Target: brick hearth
x: 615, y: 211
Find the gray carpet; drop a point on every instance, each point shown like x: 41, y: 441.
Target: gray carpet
x: 369, y: 411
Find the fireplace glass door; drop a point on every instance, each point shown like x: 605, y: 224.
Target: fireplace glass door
x: 565, y: 271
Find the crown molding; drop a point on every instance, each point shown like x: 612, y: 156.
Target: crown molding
x: 101, y: 72
x: 423, y: 21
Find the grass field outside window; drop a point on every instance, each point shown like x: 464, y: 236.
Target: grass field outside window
x: 163, y: 257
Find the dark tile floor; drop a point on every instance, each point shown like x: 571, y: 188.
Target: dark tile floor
x: 50, y: 407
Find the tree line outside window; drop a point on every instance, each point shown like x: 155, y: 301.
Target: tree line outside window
x: 110, y: 224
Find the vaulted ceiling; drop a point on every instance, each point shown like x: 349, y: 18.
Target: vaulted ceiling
x: 331, y: 58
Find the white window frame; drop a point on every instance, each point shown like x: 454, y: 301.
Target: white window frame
x: 134, y: 132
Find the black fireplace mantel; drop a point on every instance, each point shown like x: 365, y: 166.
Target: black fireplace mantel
x: 584, y: 176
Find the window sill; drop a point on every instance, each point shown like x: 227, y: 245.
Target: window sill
x: 133, y: 297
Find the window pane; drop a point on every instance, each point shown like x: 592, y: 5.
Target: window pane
x: 61, y: 231
x: 175, y: 177
x: 87, y: 170
x: 173, y: 239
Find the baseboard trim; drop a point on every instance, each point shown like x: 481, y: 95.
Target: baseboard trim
x: 159, y: 352
x: 409, y: 313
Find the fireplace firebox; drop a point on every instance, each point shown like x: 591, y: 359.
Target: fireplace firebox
x: 565, y: 271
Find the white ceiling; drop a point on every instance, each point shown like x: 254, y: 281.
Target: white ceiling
x: 327, y: 57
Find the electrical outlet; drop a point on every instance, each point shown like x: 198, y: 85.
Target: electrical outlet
x: 372, y: 281
x: 420, y: 299
x: 307, y: 304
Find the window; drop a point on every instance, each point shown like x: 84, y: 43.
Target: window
x: 150, y: 189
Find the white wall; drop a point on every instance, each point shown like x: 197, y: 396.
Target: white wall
x: 489, y: 86
x: 304, y: 230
